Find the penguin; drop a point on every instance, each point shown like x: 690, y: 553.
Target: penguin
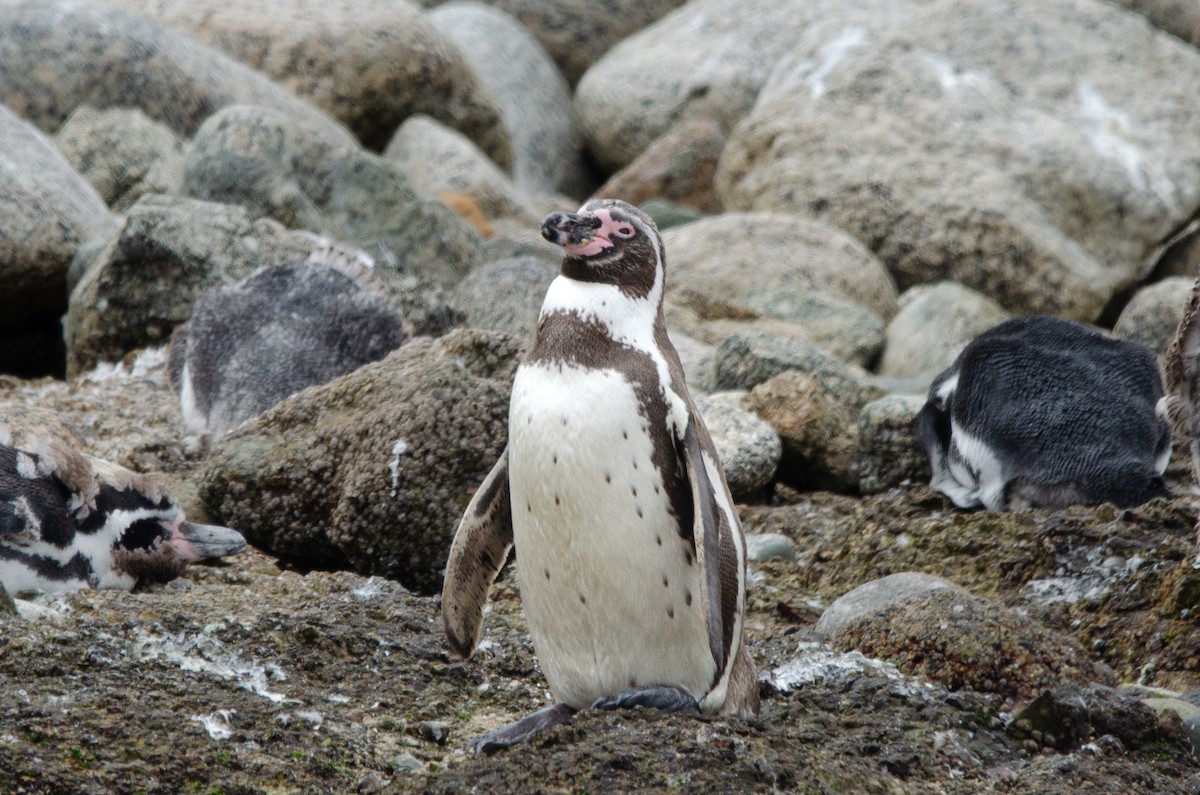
x: 630, y: 559
x: 251, y: 344
x: 1044, y: 412
x: 70, y: 521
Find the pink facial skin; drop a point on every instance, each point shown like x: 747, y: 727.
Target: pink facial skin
x: 601, y: 238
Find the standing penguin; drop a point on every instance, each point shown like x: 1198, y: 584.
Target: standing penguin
x: 1040, y: 411
x: 631, y: 561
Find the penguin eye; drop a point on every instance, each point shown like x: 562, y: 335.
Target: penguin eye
x: 625, y: 230
x: 142, y: 534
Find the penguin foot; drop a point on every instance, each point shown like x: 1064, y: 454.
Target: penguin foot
x: 522, y: 730
x: 665, y: 697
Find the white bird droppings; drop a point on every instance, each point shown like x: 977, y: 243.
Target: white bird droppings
x: 398, y: 449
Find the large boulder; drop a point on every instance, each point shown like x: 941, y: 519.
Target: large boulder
x: 1152, y: 316
x: 505, y: 295
x: 372, y: 471
x: 934, y: 324
x: 367, y: 63
x: 56, y: 55
x: 679, y: 166
x: 290, y: 170
x: 1034, y: 152
x: 46, y: 212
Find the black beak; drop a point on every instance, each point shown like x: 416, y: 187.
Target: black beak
x: 568, y: 228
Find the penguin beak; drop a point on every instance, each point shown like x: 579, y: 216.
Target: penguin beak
x: 199, y: 541
x: 569, y: 229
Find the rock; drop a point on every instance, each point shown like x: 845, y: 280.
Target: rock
x: 373, y: 470
x: 678, y: 166
x: 879, y: 595
x: 745, y: 359
x: 575, y: 32
x: 696, y: 358
x: 366, y: 63
x: 1066, y: 167
x: 1152, y: 316
x: 1178, y: 17
x: 286, y: 169
x: 505, y: 295
x: 122, y: 153
x: 814, y: 413
x: 1065, y: 717
x: 761, y: 547
x: 964, y: 641
x: 534, y: 99
x: 705, y: 60
x: 437, y: 160
x: 48, y: 212
x: 667, y: 214
x: 1163, y: 702
x: 888, y: 451
x: 749, y: 449
x: 92, y: 54
x: 7, y: 606
x: 934, y: 324
x: 141, y: 285
x: 785, y: 253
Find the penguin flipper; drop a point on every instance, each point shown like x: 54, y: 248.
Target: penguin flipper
x: 481, y: 545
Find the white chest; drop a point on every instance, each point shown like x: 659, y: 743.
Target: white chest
x: 610, y: 590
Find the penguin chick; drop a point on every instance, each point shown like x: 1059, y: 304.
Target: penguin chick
x: 70, y: 521
x: 249, y: 345
x: 630, y: 558
x: 1040, y: 411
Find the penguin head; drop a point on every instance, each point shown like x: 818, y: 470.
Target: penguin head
x: 610, y: 242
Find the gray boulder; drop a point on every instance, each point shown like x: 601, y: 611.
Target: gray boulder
x: 888, y: 452
x: 292, y: 171
x: 696, y: 358
x: 93, y: 54
x: 678, y: 166
x: 123, y: 153
x: 1035, y: 152
x: 934, y: 324
x: 534, y: 99
x: 877, y: 595
x: 372, y: 471
x: 749, y: 448
x: 367, y: 63
x: 505, y: 295
x: 745, y: 359
x: 1152, y: 316
x: 49, y: 211
x: 1177, y: 17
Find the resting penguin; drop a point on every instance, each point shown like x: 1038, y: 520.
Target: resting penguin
x: 630, y: 558
x: 1039, y: 411
x: 249, y: 345
x: 69, y: 521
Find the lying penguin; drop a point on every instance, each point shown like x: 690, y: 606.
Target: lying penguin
x: 1039, y: 411
x: 249, y: 345
x: 70, y: 521
x: 630, y: 558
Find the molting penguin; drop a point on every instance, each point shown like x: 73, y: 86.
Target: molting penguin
x: 249, y: 345
x: 630, y: 558
x: 69, y: 521
x: 1039, y: 411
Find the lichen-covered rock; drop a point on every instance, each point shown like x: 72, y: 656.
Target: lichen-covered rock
x: 749, y: 449
x: 876, y: 595
x: 1034, y: 152
x: 678, y: 166
x: 1152, y: 316
x: 534, y: 99
x: 287, y: 169
x: 505, y: 295
x: 934, y: 323
x: 814, y: 413
x: 56, y: 55
x: 367, y: 63
x: 47, y: 211
x: 967, y: 642
x: 123, y: 153
x: 372, y: 471
x: 888, y: 450
x: 168, y: 250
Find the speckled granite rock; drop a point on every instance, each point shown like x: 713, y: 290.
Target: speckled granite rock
x: 368, y: 63
x: 749, y: 448
x: 46, y: 212
x: 678, y: 166
x: 122, y: 153
x: 505, y: 295
x: 745, y: 359
x: 876, y: 595
x: 1178, y: 17
x: 1059, y: 122
x: 373, y: 470
x: 93, y: 54
x: 1152, y: 316
x: 888, y: 451
x: 289, y: 170
x: 168, y: 250
x: 534, y: 99
x: 934, y: 323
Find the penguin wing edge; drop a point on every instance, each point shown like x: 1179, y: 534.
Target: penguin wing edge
x: 480, y: 547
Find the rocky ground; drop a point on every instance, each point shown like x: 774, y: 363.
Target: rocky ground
x: 248, y: 677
